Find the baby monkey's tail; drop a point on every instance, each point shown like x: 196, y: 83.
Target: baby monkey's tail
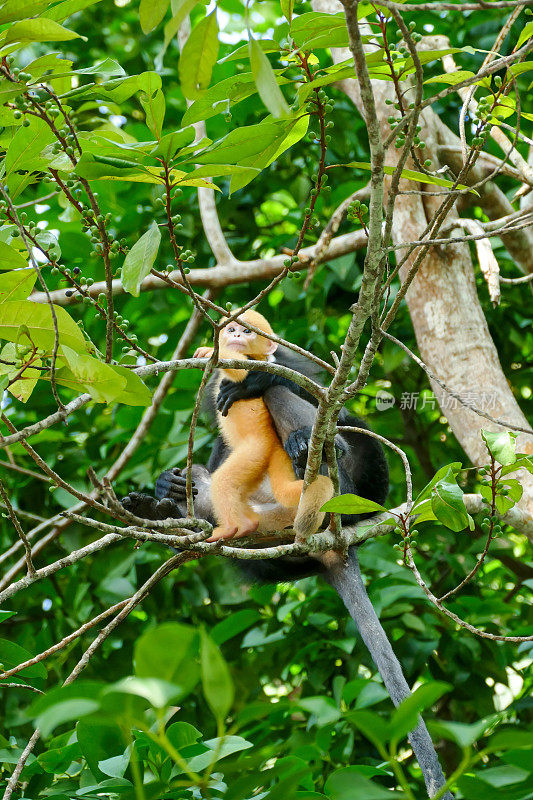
x: 309, y: 518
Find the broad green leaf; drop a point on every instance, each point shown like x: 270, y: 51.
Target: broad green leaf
x: 461, y: 733
x: 371, y: 725
x: 254, y: 145
x: 27, y: 145
x: 287, y: 7
x: 135, y: 392
x: 16, y: 285
x: 99, y: 740
x: 180, y: 9
x: 266, y: 45
x: 181, y: 734
x: 501, y: 444
x: 526, y: 34
x: 323, y: 709
x: 38, y: 319
x: 67, y: 8
x: 39, y: 30
x: 21, y: 9
x: 217, y: 684
x: 98, y: 378
x: 162, y: 652
x: 64, y: 704
x: 22, y: 388
x: 198, y: 57
x: 170, y: 143
x: 234, y: 624
x: 12, y: 654
x: 448, y: 505
x: 448, y: 472
x: 153, y: 103
x: 266, y: 83
x: 406, y: 717
x: 412, y: 175
x: 352, y: 504
x: 158, y: 693
x: 151, y: 13
x: 49, y: 63
x: 348, y: 783
x: 218, y: 748
x: 511, y: 739
x: 140, y: 260
x: 219, y: 98
x: 451, y: 78
x: 514, y: 488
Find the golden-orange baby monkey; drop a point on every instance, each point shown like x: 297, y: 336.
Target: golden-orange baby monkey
x: 256, y: 449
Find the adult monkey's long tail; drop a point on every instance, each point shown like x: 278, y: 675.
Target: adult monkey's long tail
x: 345, y: 577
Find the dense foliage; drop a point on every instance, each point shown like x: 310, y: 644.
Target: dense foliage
x: 279, y: 671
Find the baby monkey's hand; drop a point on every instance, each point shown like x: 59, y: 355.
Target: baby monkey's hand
x: 203, y: 352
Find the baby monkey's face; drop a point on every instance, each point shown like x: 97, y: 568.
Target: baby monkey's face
x: 242, y: 340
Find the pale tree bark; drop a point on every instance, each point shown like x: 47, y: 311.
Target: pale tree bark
x: 449, y: 323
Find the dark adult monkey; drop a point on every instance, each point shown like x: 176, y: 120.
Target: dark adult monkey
x: 362, y: 470
x: 361, y: 461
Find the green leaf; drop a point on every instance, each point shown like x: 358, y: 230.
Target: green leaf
x: 501, y: 444
x: 526, y: 34
x: 154, y: 108
x: 160, y: 694
x: 182, y: 734
x: 26, y: 147
x: 38, y: 319
x: 99, y: 740
x: 12, y: 654
x: 406, y: 717
x: 460, y: 732
x: 449, y: 506
x: 451, y: 78
x: 180, y: 9
x: 352, y: 504
x: 198, y: 57
x: 64, y: 704
x: 20, y: 9
x: 218, y: 748
x: 151, y: 13
x: 11, y: 258
x: 412, y: 175
x: 234, y: 624
x: 217, y: 684
x: 164, y: 651
x: 449, y: 471
x: 18, y: 284
x: 39, y: 30
x: 66, y: 9
x: 323, y: 709
x: 170, y: 143
x: 24, y: 386
x: 266, y: 83
x: 348, y: 784
x: 287, y: 7
x: 98, y: 378
x: 511, y: 739
x: 140, y: 260
x: 135, y: 392
x: 254, y: 145
x: 371, y: 725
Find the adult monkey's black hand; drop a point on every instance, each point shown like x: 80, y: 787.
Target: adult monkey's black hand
x: 254, y: 385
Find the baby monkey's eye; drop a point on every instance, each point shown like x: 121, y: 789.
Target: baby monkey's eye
x: 247, y: 330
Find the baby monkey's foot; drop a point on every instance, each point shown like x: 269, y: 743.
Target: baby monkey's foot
x: 246, y: 526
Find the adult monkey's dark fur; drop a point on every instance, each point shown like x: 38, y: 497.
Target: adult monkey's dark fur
x: 362, y: 470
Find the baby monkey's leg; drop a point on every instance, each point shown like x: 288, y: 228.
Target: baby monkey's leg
x: 233, y: 483
x: 286, y: 488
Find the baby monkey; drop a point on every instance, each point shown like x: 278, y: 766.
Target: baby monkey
x: 255, y: 448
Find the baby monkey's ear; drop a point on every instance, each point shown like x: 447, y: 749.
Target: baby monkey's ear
x: 271, y: 347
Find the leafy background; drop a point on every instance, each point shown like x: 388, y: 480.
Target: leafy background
x: 298, y: 666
